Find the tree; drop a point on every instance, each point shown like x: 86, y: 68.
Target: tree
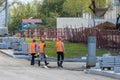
x: 52, y: 9
x: 1, y: 2
x: 1, y: 5
x: 52, y: 6
x: 77, y: 7
x: 19, y: 12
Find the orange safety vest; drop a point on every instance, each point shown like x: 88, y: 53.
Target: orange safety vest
x: 32, y: 48
x: 59, y: 46
x: 42, y: 46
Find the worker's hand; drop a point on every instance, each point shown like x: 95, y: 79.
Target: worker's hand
x: 36, y: 55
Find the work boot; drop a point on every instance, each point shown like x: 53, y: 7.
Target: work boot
x: 46, y: 63
x: 32, y: 63
x: 58, y: 64
x: 61, y: 66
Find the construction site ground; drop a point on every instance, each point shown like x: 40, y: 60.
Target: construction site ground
x: 20, y: 69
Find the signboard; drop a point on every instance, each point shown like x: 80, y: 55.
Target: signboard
x: 30, y: 23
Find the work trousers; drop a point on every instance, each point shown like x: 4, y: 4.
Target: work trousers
x: 60, y: 58
x: 42, y: 57
x: 33, y: 59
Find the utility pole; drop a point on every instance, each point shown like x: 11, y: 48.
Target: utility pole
x: 6, y: 13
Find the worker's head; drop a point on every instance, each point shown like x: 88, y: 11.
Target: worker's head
x: 42, y: 39
x: 34, y: 40
x: 60, y: 38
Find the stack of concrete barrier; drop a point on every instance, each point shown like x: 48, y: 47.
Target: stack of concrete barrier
x: 9, y: 42
x: 107, y: 62
x: 19, y: 46
x: 117, y: 60
x: 3, y: 31
x: 4, y: 43
x: 21, y: 49
x: 110, y: 62
x: 16, y: 43
x: 117, y: 64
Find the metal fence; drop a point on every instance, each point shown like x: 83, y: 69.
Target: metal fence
x: 106, y: 39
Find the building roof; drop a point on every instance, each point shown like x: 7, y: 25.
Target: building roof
x: 31, y: 20
x: 106, y: 25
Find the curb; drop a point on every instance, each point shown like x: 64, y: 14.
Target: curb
x: 103, y: 73
x: 6, y: 54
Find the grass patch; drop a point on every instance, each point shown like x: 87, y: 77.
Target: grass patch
x: 72, y: 50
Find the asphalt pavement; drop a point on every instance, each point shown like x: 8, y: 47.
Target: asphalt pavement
x: 19, y: 69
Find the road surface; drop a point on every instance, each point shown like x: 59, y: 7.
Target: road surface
x: 17, y: 69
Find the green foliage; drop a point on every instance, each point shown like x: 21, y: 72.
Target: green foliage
x: 52, y: 9
x: 52, y: 6
x: 1, y: 2
x: 22, y: 11
x: 75, y: 8
x: 49, y: 10
x: 102, y: 3
x: 2, y: 6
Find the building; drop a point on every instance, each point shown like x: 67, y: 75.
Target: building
x: 63, y: 22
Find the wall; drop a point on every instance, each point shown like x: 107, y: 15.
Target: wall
x: 80, y: 22
x: 71, y: 22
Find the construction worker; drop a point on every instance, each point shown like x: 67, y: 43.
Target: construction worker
x: 60, y: 52
x: 32, y: 51
x: 42, y: 55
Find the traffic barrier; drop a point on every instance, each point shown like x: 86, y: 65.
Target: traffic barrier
x: 110, y: 62
x: 21, y: 49
x: 9, y: 42
x: 117, y: 69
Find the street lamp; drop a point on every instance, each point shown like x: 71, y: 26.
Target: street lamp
x: 6, y: 13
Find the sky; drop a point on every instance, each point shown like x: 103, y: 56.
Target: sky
x: 24, y: 1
